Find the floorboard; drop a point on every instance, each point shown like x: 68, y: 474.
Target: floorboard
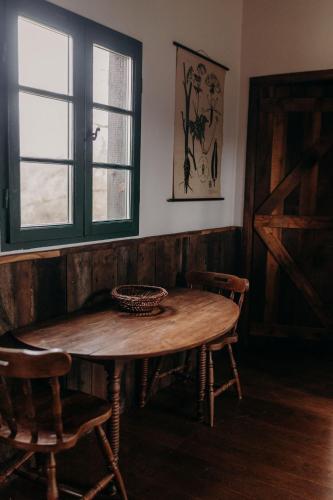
x: 275, y: 444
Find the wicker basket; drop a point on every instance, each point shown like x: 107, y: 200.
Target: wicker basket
x: 139, y: 299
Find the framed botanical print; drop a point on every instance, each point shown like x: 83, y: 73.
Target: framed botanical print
x: 198, y: 136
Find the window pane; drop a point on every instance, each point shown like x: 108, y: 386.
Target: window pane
x: 45, y: 127
x: 45, y: 57
x: 111, y: 194
x: 46, y: 194
x: 113, y: 143
x: 112, y: 78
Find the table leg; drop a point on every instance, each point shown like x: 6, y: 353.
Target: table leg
x: 144, y: 382
x: 202, y: 374
x: 114, y: 372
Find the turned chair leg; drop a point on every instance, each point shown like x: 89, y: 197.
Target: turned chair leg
x: 108, y: 454
x: 52, y: 488
x: 235, y: 371
x: 144, y: 382
x: 156, y: 377
x: 211, y: 388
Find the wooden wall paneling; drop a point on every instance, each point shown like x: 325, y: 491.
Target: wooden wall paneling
x: 147, y: 263
x: 230, y: 261
x: 104, y: 270
x: 167, y: 261
x: 197, y: 253
x: 50, y: 288
x: 127, y: 264
x: 129, y: 389
x: 33, y: 287
x: 214, y: 253
x: 7, y: 299
x: 80, y: 376
x: 98, y: 381
x: 24, y: 284
x: 185, y: 259
x: 79, y: 279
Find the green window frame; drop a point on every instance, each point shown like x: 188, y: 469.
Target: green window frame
x: 86, y: 36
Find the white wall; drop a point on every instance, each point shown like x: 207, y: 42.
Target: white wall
x: 281, y: 36
x: 211, y: 25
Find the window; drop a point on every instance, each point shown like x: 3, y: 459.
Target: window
x: 73, y: 90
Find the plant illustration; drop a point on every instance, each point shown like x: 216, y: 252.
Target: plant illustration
x: 196, y: 119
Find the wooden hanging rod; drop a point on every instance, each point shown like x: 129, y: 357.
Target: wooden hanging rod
x: 201, y: 55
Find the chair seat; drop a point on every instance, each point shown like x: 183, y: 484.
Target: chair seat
x: 80, y: 412
x: 218, y: 344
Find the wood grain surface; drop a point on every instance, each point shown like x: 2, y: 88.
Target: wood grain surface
x: 188, y: 318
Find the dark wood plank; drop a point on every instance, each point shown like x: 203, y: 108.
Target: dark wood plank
x: 197, y: 253
x: 285, y: 260
x: 7, y: 299
x: 79, y: 279
x: 127, y: 264
x: 288, y: 184
x: 277, y: 171
x: 168, y: 262
x: 147, y: 263
x: 275, y: 444
x: 23, y: 275
x: 49, y: 286
x: 104, y: 270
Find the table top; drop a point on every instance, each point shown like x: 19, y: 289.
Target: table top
x: 188, y: 318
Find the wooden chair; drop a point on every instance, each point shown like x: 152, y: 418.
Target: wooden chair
x: 234, y: 288
x: 37, y: 418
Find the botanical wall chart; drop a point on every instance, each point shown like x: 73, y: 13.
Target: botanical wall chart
x: 198, y: 126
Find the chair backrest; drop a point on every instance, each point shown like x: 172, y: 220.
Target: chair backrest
x: 229, y: 285
x: 23, y: 366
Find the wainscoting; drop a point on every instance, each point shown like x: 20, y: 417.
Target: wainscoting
x: 38, y: 286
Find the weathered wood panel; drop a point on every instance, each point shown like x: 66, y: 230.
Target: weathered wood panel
x: 50, y: 288
x: 23, y: 275
x: 34, y: 288
x: 79, y: 279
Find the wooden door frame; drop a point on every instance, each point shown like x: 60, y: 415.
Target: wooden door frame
x: 256, y: 84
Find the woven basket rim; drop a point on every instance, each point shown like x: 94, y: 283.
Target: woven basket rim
x: 160, y: 292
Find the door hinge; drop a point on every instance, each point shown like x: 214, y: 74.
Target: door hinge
x: 6, y: 198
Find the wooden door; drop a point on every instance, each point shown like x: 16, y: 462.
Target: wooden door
x: 288, y: 214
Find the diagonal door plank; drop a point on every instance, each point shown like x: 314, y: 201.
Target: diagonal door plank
x: 291, y: 181
x: 295, y: 221
x: 288, y: 264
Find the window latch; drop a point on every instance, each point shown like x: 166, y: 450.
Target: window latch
x: 95, y: 134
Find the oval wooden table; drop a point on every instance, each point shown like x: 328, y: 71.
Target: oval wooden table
x: 187, y: 319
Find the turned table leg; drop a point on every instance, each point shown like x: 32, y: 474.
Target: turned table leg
x: 144, y: 382
x: 202, y: 374
x: 114, y: 372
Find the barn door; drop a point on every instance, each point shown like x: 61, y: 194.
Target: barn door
x: 288, y: 219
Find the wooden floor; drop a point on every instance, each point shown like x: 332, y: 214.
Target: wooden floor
x: 276, y: 444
